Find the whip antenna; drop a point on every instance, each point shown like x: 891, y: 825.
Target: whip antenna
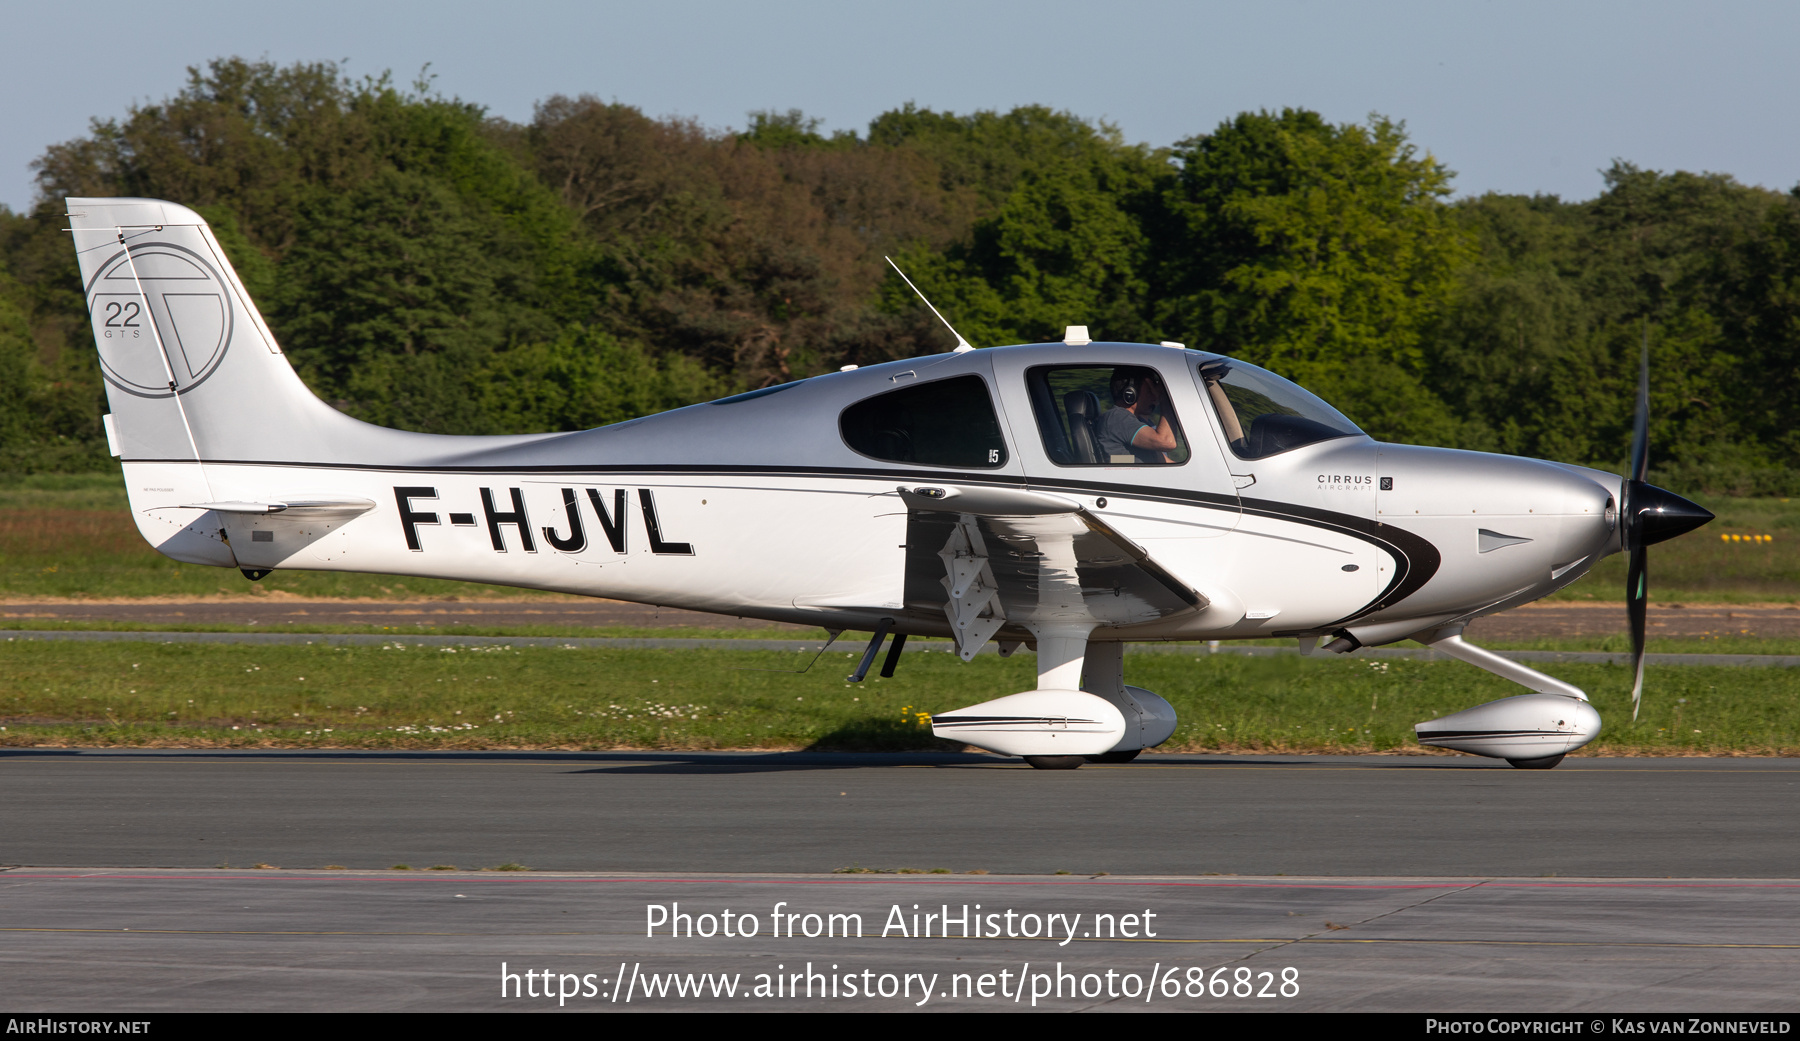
x: 961, y: 344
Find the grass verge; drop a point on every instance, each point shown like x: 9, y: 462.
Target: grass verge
x: 1723, y: 643
x: 172, y: 695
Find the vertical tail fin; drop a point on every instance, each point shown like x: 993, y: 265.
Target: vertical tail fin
x: 193, y: 374
x: 186, y: 357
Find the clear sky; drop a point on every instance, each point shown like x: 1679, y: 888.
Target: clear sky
x: 1524, y: 96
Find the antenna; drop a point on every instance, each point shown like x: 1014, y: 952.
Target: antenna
x: 961, y: 344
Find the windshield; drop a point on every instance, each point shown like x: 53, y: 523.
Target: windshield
x: 1263, y: 414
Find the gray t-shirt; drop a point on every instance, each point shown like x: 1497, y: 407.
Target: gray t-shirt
x: 1117, y: 427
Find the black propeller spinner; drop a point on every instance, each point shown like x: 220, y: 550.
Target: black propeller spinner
x: 1650, y: 515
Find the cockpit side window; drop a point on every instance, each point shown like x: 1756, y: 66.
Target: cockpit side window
x: 1263, y: 414
x: 1105, y: 415
x: 947, y: 422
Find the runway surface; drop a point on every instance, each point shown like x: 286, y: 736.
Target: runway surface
x: 150, y: 941
x: 819, y: 812
x: 1552, y: 619
x: 1384, y: 883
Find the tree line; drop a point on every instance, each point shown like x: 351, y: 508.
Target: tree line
x: 428, y: 266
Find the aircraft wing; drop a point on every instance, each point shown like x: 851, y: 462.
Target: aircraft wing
x: 990, y: 556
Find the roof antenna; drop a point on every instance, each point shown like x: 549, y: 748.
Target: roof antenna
x: 961, y: 344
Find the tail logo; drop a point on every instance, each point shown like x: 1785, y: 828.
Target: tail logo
x: 159, y: 291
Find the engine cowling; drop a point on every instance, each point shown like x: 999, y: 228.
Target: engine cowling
x: 1530, y: 726
x: 1038, y: 723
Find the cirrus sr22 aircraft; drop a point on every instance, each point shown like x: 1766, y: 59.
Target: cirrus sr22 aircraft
x: 1066, y: 496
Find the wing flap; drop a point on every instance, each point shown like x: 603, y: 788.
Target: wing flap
x: 989, y: 556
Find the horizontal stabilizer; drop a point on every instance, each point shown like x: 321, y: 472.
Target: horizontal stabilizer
x: 267, y: 535
x: 335, y: 505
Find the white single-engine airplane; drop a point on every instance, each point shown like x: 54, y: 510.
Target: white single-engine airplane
x: 1069, y: 496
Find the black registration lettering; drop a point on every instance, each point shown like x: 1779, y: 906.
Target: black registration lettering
x: 577, y: 540
x: 654, y: 528
x: 410, y: 519
x: 612, y: 523
x: 517, y: 518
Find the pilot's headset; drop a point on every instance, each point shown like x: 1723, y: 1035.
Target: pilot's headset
x: 1125, y: 385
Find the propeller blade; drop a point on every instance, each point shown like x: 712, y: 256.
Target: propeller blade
x: 1648, y: 515
x: 1640, y: 426
x: 1637, y: 603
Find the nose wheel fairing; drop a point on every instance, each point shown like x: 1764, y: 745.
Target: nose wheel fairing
x: 1527, y: 727
x: 1531, y: 731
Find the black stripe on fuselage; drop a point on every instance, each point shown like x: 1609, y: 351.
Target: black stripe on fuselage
x: 1437, y: 735
x: 977, y: 721
x: 1416, y: 560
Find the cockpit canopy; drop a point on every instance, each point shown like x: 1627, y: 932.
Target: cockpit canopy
x: 1263, y: 414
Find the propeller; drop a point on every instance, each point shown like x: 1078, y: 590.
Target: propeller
x: 1650, y: 515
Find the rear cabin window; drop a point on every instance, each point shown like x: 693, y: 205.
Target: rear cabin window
x: 942, y: 423
x: 1111, y: 415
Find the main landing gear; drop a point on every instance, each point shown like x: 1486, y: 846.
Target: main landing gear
x: 1060, y: 726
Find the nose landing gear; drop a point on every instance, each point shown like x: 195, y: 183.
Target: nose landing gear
x: 1530, y: 731
x: 1546, y: 763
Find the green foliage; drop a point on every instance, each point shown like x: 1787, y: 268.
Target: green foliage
x: 394, y: 244
x: 1320, y: 251
x: 1539, y: 353
x: 792, y: 129
x: 1065, y: 246
x: 429, y: 267
x: 587, y: 378
x: 16, y: 364
x: 395, y: 294
x: 986, y: 154
x: 48, y: 419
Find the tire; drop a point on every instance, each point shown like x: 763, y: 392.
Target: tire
x: 1114, y: 757
x: 1055, y: 762
x: 1547, y: 763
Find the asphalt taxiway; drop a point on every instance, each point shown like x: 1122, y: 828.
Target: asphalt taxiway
x: 151, y: 941
x: 1371, y: 883
x: 820, y: 812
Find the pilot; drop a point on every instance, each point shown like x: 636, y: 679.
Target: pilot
x: 1132, y: 431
